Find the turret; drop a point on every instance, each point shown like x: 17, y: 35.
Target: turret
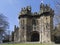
x: 25, y: 10
x: 46, y: 8
x: 14, y: 27
x: 42, y: 7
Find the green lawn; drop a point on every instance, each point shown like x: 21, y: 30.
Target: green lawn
x: 27, y: 44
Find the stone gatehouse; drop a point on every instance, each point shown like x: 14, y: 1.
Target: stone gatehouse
x: 35, y: 27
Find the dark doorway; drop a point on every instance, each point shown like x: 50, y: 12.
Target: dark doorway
x: 57, y: 39
x: 35, y: 36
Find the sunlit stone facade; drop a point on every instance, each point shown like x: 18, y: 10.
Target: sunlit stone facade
x: 35, y: 27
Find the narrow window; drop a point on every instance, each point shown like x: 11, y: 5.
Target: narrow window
x: 33, y: 22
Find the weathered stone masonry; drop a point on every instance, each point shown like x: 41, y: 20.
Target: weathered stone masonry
x: 35, y: 27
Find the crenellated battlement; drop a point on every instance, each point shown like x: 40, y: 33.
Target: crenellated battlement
x: 35, y: 13
x: 43, y: 10
x: 25, y: 10
x: 16, y: 28
x: 46, y: 8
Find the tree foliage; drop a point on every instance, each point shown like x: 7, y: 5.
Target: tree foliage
x: 3, y: 25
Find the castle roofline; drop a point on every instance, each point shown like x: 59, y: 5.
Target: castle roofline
x: 44, y: 9
x: 35, y: 15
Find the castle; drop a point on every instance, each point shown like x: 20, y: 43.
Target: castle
x: 35, y: 27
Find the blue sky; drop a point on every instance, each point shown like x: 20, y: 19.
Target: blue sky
x: 11, y: 8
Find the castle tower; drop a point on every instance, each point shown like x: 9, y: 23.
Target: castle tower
x: 46, y: 23
x: 36, y: 27
x: 24, y: 22
x: 16, y: 34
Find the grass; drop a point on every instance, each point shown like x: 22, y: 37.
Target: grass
x: 26, y: 44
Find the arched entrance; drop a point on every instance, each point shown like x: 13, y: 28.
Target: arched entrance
x: 35, y: 36
x: 57, y: 39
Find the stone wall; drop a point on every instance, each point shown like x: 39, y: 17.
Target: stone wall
x: 31, y: 23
